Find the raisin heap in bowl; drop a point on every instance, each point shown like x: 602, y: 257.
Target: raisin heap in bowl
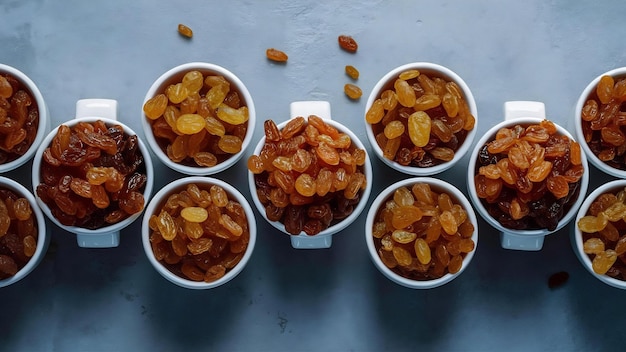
x: 528, y: 177
x: 92, y: 175
x: 308, y: 176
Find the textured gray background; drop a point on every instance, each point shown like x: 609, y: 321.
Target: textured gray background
x: 335, y: 299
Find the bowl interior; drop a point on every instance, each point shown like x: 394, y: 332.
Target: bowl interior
x: 367, y: 171
x: 36, y: 177
x: 430, y: 69
x: 436, y: 185
x: 43, y: 238
x: 590, y: 92
x: 43, y: 121
x: 577, y: 236
x: 479, y: 206
x: 175, y: 75
x: 157, y: 203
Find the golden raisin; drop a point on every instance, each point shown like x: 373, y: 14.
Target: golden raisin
x: 276, y: 55
x: 352, y: 72
x: 352, y: 91
x: 185, y: 31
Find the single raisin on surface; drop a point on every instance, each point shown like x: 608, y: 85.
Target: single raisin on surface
x: 276, y: 55
x: 347, y: 43
x: 185, y: 31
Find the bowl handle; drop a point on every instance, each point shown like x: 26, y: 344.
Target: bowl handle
x: 105, y: 108
x: 311, y: 107
x: 304, y: 109
x: 513, y: 110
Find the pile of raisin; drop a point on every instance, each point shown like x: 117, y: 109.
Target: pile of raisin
x: 308, y: 175
x: 93, y: 175
x: 422, y: 234
x: 18, y: 233
x: 529, y: 177
x: 604, y: 121
x: 19, y: 119
x: 602, y: 228
x: 199, y: 233
x: 420, y: 120
x: 199, y: 121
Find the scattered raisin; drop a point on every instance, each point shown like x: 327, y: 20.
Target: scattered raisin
x: 347, y: 43
x: 185, y: 31
x: 276, y: 55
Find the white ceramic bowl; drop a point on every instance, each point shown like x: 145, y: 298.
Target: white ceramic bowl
x: 154, y: 208
x: 577, y: 237
x: 43, y: 236
x: 91, y: 110
x: 324, y: 238
x: 529, y: 240
x: 175, y: 75
x: 432, y: 70
x: 436, y: 185
x: 584, y: 96
x: 44, y: 119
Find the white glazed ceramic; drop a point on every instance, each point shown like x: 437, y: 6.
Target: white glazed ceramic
x: 324, y: 238
x: 43, y: 235
x: 522, y: 113
x: 154, y: 208
x: 436, y: 185
x: 593, y: 159
x: 433, y: 69
x: 577, y: 237
x: 177, y: 73
x: 91, y: 110
x: 44, y: 118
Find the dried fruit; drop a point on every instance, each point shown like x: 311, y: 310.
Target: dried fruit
x: 415, y: 239
x: 434, y: 112
x: 185, y: 31
x: 204, y: 120
x: 352, y: 91
x: 305, y: 170
x: 347, y: 43
x: 93, y: 176
x: 352, y: 72
x: 19, y: 118
x: 201, y: 241
x: 276, y: 55
x: 525, y: 176
x: 18, y: 233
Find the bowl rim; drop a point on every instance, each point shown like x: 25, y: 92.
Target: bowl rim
x: 441, y: 71
x: 369, y: 238
x: 576, y: 239
x: 203, y: 67
x: 152, y: 207
x: 344, y: 223
x: 480, y: 208
x: 36, y: 177
x: 43, y: 236
x: 619, y: 72
x: 44, y: 119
